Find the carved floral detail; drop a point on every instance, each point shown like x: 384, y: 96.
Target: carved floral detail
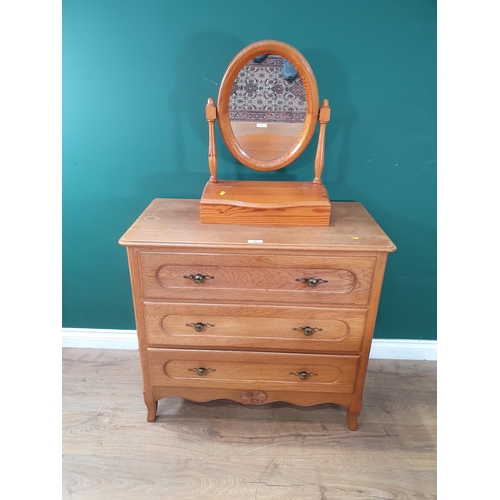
x: 253, y: 397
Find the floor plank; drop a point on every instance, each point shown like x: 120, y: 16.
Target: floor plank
x: 221, y: 449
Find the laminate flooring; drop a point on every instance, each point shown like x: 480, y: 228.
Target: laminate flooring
x: 225, y: 450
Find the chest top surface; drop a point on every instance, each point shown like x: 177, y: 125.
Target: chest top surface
x: 176, y: 222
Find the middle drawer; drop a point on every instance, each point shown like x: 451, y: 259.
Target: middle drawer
x: 304, y: 329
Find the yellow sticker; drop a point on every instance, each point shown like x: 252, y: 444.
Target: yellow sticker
x: 355, y: 237
x: 222, y: 193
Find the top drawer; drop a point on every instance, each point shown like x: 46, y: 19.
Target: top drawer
x: 257, y: 278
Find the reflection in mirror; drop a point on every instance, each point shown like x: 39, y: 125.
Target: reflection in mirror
x: 267, y: 107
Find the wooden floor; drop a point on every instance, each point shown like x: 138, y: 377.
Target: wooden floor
x: 224, y: 450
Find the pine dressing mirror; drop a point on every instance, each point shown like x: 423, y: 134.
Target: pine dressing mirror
x: 268, y: 109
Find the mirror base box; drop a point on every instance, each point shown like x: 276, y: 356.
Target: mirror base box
x: 279, y: 203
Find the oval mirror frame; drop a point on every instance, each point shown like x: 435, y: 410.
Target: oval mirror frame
x: 312, y: 99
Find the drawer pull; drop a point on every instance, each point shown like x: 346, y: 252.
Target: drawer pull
x: 199, y: 326
x: 303, y: 375
x: 311, y: 281
x: 308, y: 330
x: 201, y: 371
x: 198, y: 278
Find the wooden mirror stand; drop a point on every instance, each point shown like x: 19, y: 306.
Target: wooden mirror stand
x: 266, y: 146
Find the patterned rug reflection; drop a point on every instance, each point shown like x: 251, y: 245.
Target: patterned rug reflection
x: 261, y: 94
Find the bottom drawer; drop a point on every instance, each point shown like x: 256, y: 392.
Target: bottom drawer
x: 252, y: 370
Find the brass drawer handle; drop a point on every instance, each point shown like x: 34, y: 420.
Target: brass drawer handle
x: 198, y: 278
x: 199, y: 326
x: 201, y: 371
x: 308, y: 330
x: 312, y: 281
x: 303, y: 375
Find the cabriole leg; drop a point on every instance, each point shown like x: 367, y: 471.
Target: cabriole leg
x: 152, y: 407
x: 352, y: 420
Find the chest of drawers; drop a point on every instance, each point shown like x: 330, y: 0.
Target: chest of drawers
x: 255, y: 314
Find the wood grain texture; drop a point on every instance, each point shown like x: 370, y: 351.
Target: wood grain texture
x: 263, y: 279
x: 275, y: 203
x: 260, y: 327
x: 351, y: 229
x: 226, y: 450
x: 252, y: 370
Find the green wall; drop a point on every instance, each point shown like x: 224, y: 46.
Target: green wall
x: 136, y: 77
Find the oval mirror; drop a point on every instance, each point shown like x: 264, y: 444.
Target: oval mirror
x: 268, y: 105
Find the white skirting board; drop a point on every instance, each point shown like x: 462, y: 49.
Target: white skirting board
x: 127, y: 339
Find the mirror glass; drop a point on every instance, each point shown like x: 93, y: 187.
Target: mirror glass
x: 267, y: 107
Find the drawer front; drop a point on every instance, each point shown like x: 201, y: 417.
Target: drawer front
x: 255, y: 327
x: 263, y: 279
x: 252, y: 370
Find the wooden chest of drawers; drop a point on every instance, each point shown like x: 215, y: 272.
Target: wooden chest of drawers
x: 255, y: 314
